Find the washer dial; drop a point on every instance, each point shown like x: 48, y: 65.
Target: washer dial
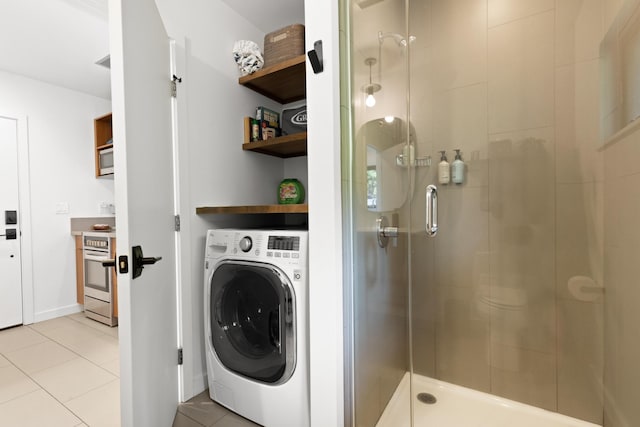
x: 246, y: 244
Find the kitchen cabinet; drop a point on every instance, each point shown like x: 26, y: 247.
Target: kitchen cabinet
x: 283, y: 82
x: 103, y: 139
x: 79, y: 271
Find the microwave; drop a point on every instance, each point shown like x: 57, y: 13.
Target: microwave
x: 105, y: 161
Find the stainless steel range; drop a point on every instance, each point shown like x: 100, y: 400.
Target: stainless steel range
x: 98, y: 285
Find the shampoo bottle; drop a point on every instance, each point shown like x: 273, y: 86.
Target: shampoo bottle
x: 457, y: 169
x: 443, y: 169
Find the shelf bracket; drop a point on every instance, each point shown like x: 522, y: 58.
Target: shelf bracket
x: 315, y: 57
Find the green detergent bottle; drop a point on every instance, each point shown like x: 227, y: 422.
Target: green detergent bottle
x: 290, y: 191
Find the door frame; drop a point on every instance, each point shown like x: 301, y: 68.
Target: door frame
x: 24, y: 206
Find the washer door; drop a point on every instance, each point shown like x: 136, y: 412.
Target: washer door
x: 252, y: 320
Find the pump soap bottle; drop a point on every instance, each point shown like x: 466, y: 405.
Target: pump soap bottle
x: 457, y: 168
x: 443, y: 169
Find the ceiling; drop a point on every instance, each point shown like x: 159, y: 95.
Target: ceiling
x: 57, y: 41
x: 271, y: 16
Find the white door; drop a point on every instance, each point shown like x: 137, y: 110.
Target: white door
x: 10, y: 273
x: 143, y: 153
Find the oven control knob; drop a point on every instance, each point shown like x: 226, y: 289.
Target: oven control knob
x: 246, y: 244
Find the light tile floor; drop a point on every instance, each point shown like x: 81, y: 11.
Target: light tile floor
x: 62, y: 372
x: 65, y: 372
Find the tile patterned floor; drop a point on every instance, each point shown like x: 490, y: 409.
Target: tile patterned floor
x: 201, y: 411
x: 62, y: 372
x: 65, y: 372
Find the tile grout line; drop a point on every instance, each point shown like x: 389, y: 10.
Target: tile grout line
x: 40, y: 387
x: 75, y: 352
x: 83, y: 421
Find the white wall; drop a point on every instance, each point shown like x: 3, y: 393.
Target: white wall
x: 60, y: 127
x: 214, y: 170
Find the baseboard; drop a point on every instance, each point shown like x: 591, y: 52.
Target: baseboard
x: 200, y: 383
x: 57, y: 312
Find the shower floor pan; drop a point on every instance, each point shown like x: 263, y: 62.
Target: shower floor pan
x: 462, y: 407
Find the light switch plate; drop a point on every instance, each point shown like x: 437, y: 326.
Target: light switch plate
x: 62, y: 207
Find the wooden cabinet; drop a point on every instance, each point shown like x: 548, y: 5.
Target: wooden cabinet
x: 284, y: 82
x: 79, y: 271
x: 103, y: 139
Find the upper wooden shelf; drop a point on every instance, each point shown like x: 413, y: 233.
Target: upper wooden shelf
x: 284, y: 82
x: 283, y: 146
x: 253, y: 209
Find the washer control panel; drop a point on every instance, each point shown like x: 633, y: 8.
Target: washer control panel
x: 283, y: 246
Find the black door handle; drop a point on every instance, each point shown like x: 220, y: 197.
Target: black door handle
x: 10, y: 234
x: 109, y: 263
x: 139, y: 261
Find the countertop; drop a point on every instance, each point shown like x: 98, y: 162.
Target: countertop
x: 80, y: 225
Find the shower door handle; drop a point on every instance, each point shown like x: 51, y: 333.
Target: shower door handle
x: 431, y: 213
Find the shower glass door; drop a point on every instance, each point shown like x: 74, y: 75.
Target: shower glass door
x: 377, y: 164
x: 528, y: 292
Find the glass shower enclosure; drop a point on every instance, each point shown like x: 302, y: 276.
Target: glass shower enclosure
x: 523, y: 308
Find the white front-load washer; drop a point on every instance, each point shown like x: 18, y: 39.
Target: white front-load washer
x: 255, y: 305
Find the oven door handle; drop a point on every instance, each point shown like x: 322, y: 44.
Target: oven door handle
x: 109, y: 263
x: 97, y: 258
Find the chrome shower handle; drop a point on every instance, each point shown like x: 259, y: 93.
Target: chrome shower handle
x: 432, y: 210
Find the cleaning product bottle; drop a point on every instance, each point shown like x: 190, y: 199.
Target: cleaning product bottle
x: 457, y: 168
x: 290, y: 191
x: 443, y: 169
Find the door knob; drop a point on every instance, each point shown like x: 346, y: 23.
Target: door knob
x: 10, y: 234
x: 139, y: 261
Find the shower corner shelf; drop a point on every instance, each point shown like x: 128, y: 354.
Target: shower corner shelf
x: 254, y: 209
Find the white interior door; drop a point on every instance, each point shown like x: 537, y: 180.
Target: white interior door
x: 10, y: 271
x: 144, y: 194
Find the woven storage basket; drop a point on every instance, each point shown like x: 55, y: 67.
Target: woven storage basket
x: 283, y: 44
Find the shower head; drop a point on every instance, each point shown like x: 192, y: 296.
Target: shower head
x: 400, y: 41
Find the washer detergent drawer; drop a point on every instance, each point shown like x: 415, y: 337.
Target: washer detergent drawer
x: 252, y: 321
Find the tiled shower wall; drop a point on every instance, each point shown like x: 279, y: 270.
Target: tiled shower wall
x: 509, y: 298
x: 516, y: 301
x: 622, y: 277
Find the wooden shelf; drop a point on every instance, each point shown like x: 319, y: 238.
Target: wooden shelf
x: 284, y: 82
x: 103, y: 133
x: 255, y: 209
x: 283, y: 146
